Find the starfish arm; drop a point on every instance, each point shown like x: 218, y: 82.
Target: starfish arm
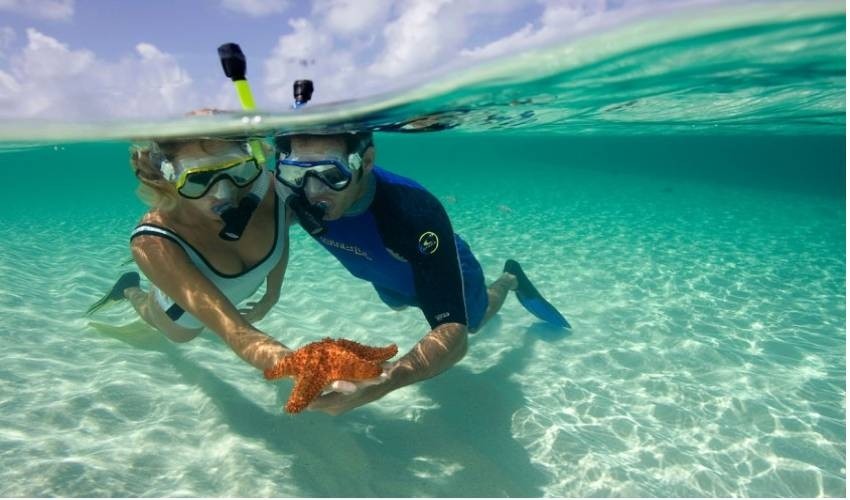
x: 283, y: 368
x: 307, y: 388
x: 379, y: 354
x: 357, y: 369
x: 345, y: 365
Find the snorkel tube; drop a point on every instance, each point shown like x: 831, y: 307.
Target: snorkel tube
x: 309, y: 216
x: 302, y: 92
x: 236, y: 218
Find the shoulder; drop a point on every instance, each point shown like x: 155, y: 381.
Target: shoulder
x: 405, y: 198
x: 155, y: 239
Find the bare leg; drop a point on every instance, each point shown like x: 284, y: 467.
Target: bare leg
x: 153, y: 315
x: 496, y: 294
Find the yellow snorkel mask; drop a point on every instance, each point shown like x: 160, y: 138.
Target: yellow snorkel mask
x: 193, y: 176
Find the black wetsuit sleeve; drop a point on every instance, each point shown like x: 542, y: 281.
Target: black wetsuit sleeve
x: 415, y: 225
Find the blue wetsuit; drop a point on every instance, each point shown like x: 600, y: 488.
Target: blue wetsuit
x: 403, y: 243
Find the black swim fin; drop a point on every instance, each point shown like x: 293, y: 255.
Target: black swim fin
x: 531, y: 299
x: 126, y: 281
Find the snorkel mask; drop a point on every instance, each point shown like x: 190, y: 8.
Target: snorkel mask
x: 332, y: 173
x: 195, y: 176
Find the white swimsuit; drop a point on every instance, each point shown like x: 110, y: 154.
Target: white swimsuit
x: 236, y: 287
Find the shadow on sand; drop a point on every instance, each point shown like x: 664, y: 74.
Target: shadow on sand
x: 462, y: 448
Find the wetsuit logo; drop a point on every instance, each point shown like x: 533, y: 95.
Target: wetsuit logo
x: 428, y: 243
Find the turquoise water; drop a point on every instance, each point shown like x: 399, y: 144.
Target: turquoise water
x: 701, y: 262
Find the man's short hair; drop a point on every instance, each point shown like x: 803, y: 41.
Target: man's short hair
x: 355, y: 142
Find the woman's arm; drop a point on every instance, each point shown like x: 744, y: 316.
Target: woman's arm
x: 169, y: 268
x: 255, y: 311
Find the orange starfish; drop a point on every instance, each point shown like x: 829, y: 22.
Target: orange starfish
x: 316, y: 365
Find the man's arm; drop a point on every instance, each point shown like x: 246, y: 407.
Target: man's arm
x: 425, y: 238
x: 438, y: 351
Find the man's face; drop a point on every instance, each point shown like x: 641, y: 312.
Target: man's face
x: 316, y: 148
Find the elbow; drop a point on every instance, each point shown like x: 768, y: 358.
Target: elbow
x: 462, y: 346
x: 454, y: 340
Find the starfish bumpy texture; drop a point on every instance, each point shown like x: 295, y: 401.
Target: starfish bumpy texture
x: 316, y: 365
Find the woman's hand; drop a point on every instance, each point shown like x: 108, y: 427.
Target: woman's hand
x: 255, y: 311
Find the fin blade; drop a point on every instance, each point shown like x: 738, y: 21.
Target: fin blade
x: 542, y: 309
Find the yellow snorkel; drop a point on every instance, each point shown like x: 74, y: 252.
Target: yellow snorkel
x: 233, y: 64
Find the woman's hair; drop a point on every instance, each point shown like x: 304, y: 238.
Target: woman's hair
x: 160, y: 195
x: 145, y: 159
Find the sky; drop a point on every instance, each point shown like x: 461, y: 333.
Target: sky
x: 84, y: 60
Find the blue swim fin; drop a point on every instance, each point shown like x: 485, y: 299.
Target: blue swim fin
x: 126, y: 281
x: 531, y: 299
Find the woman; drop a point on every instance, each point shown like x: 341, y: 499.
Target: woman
x: 215, y: 231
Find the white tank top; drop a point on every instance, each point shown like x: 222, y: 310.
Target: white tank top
x: 236, y: 287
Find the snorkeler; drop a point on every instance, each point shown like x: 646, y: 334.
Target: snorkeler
x: 390, y: 231
x: 215, y: 232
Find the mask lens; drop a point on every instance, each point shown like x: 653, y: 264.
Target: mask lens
x: 198, y: 183
x: 333, y: 177
x: 291, y: 175
x: 244, y: 173
x: 332, y: 173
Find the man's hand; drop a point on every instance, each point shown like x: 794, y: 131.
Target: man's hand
x: 350, y: 395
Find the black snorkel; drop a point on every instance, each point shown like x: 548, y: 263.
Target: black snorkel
x: 236, y: 218
x: 309, y: 216
x: 302, y: 92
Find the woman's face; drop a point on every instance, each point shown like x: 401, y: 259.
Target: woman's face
x: 223, y: 193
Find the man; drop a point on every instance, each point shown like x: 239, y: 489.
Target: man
x: 390, y: 231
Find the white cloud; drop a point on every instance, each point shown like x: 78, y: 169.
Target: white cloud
x: 351, y: 48
x: 557, y: 20
x: 255, y: 8
x: 7, y: 36
x: 348, y: 18
x: 428, y: 35
x: 310, y: 53
x: 56, y: 10
x: 417, y: 38
x: 356, y: 48
x: 560, y: 19
x: 158, y: 80
x: 47, y: 79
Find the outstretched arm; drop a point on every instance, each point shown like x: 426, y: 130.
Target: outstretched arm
x: 169, y: 268
x: 438, y: 351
